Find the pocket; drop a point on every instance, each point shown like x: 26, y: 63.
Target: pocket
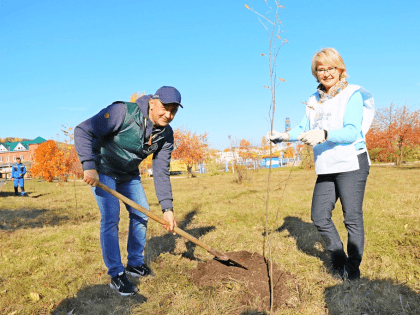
x: 363, y: 162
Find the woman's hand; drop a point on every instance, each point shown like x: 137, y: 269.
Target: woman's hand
x: 277, y: 137
x: 313, y: 137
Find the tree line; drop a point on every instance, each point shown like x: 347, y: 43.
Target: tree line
x: 393, y: 137
x: 54, y: 159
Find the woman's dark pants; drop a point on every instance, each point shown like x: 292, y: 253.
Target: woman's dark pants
x: 350, y: 188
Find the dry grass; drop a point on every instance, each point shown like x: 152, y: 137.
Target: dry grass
x: 50, y: 259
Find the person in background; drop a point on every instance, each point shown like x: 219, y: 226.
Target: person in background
x: 338, y: 115
x: 111, y: 146
x: 18, y: 174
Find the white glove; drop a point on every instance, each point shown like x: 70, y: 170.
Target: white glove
x: 313, y: 137
x: 277, y: 137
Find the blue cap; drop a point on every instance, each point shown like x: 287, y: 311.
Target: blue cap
x: 168, y: 95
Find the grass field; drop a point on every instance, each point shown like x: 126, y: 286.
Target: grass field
x: 50, y: 258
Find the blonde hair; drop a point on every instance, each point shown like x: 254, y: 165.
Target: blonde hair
x: 328, y: 56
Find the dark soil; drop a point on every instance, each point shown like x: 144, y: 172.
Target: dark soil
x: 256, y: 279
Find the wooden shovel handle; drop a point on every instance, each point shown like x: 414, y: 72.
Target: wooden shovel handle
x: 151, y: 215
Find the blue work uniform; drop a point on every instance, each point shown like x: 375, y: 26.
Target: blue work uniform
x: 18, y: 172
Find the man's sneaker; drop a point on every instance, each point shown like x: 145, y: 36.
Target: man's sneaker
x: 138, y: 271
x: 122, y: 285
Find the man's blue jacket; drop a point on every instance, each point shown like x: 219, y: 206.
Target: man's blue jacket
x: 18, y: 170
x: 115, y: 141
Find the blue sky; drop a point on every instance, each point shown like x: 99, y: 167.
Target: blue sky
x: 63, y: 61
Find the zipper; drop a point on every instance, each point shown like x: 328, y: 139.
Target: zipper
x: 152, y: 136
x: 157, y: 134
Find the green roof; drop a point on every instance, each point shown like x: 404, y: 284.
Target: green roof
x: 12, y: 145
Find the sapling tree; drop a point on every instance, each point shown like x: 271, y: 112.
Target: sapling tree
x: 272, y: 24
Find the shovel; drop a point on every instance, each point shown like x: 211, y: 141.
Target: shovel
x: 223, y: 258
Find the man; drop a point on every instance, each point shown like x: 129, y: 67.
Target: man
x: 18, y: 172
x: 111, y: 146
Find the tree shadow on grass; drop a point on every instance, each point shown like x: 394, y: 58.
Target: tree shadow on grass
x: 359, y: 297
x: 99, y: 299
x: 167, y: 243
x: 29, y: 194
x: 307, y: 239
x: 28, y: 219
x: 373, y: 297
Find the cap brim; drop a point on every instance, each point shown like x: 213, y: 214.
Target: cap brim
x: 172, y: 103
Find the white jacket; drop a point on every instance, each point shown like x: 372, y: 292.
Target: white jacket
x: 337, y: 157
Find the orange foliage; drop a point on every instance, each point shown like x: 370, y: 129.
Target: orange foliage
x: 146, y: 164
x: 135, y: 96
x: 265, y: 145
x: 71, y: 159
x: 190, y: 147
x: 53, y: 160
x: 393, y: 134
x: 289, y: 152
x: 11, y: 139
x: 245, y: 149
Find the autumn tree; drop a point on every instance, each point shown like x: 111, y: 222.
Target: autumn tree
x: 146, y: 164
x: 394, y: 134
x: 306, y: 155
x: 289, y: 152
x: 265, y: 145
x: 52, y: 161
x: 191, y: 148
x: 135, y: 96
x: 245, y: 149
x: 245, y: 153
x: 212, y: 165
x: 70, y: 154
x: 48, y: 160
x: 12, y: 139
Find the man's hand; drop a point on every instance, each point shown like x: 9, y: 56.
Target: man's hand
x: 277, y: 137
x: 91, y: 177
x: 312, y: 137
x: 169, y: 217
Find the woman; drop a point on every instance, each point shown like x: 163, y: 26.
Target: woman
x: 338, y: 115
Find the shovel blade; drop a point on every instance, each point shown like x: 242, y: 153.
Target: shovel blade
x: 230, y: 262
x: 224, y: 259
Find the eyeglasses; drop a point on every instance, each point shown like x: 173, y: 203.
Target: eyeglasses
x: 325, y: 71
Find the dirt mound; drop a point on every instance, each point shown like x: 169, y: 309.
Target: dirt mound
x: 255, y: 278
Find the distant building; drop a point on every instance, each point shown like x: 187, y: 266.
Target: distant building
x: 10, y: 151
x: 265, y: 161
x: 228, y: 156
